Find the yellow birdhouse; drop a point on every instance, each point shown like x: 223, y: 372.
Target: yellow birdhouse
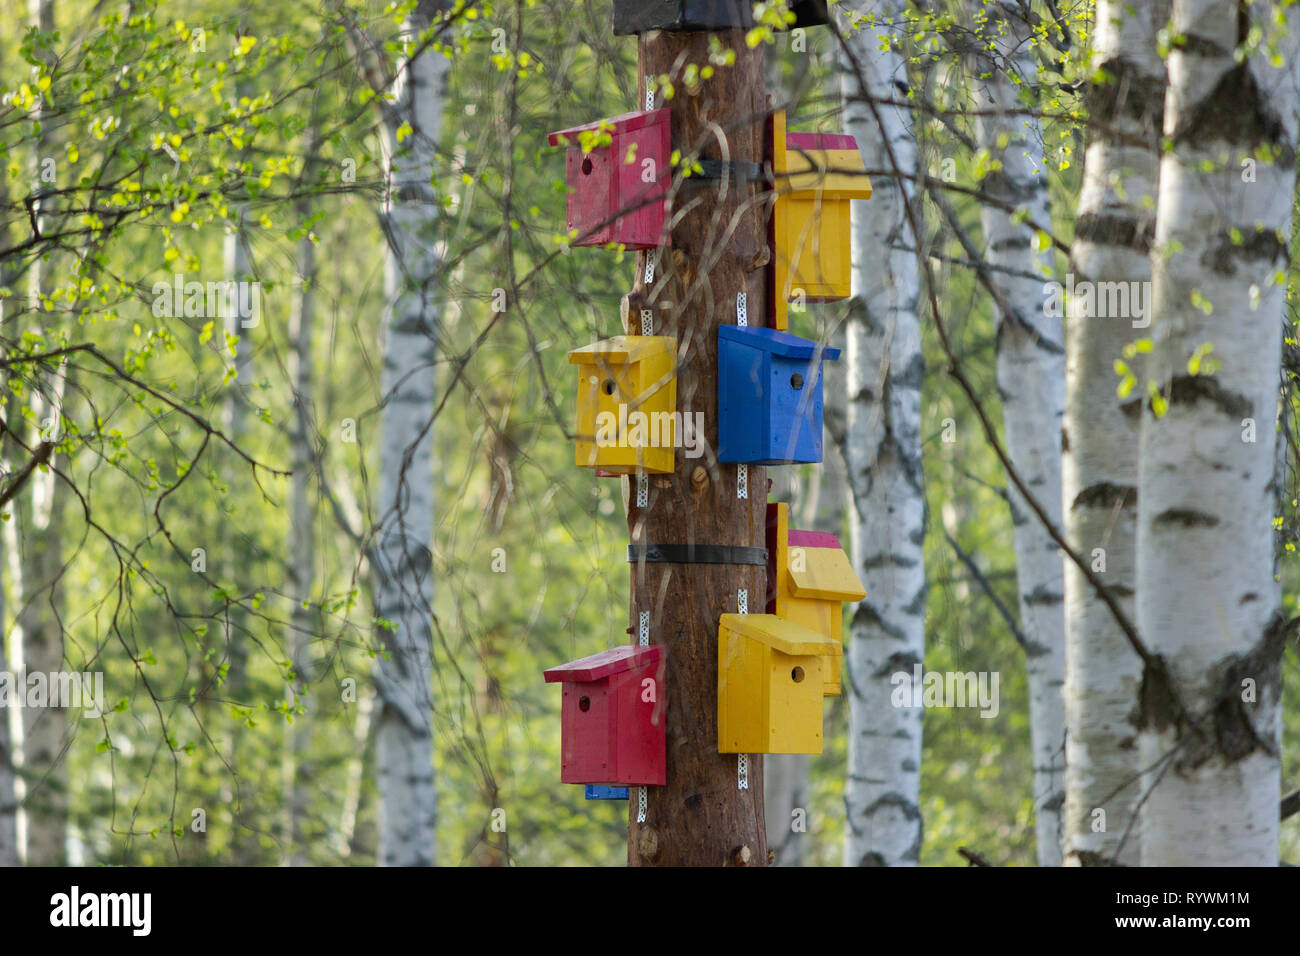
x: 817, y: 176
x: 809, y: 579
x: 627, y: 404
x: 770, y: 677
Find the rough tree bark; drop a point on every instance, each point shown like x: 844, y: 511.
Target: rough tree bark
x: 1112, y: 243
x: 402, y: 557
x: 1208, y: 606
x: 719, y: 247
x: 885, y: 369
x: 1031, y: 381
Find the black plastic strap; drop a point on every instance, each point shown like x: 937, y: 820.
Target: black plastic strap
x: 738, y: 171
x: 696, y: 554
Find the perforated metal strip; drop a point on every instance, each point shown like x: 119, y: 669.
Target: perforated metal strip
x: 649, y: 93
x: 742, y: 760
x: 647, y: 322
x: 643, y: 632
x: 742, y: 320
x: 642, y: 491
x: 640, y: 804
x: 650, y: 258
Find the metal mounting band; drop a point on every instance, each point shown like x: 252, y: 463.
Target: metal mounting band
x: 696, y: 554
x: 738, y: 171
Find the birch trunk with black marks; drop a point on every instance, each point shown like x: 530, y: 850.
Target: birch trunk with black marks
x: 10, y: 596
x: 8, y: 795
x: 302, y: 541
x: 40, y: 540
x: 1208, y: 607
x: 884, y: 370
x: 1111, y: 252
x: 1031, y: 382
x: 402, y: 556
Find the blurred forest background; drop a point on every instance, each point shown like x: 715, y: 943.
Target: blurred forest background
x: 233, y: 611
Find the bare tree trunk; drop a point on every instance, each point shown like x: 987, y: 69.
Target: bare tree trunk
x: 1031, y: 380
x: 40, y: 535
x: 302, y: 542
x: 8, y: 795
x: 402, y: 558
x: 1112, y: 243
x: 1208, y: 606
x: 885, y: 369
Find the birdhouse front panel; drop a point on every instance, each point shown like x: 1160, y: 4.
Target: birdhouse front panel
x: 612, y: 728
x: 770, y: 685
x: 627, y: 419
x: 640, y: 16
x: 617, y: 192
x: 809, y: 579
x: 769, y: 396
x: 816, y: 177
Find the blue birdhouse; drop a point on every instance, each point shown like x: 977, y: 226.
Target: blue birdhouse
x: 596, y: 791
x: 769, y: 396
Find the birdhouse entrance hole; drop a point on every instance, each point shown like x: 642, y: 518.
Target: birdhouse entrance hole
x: 796, y: 675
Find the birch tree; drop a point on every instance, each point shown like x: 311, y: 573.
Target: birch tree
x: 8, y: 794
x: 1110, y: 251
x: 1031, y: 381
x: 402, y: 557
x: 1208, y: 606
x: 40, y: 617
x: 884, y: 370
x: 301, y: 516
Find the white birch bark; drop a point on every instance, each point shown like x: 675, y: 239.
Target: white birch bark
x: 884, y: 368
x: 402, y: 556
x: 302, y: 543
x: 1031, y: 380
x: 1110, y: 251
x: 41, y: 552
x: 1208, y: 606
x: 8, y: 795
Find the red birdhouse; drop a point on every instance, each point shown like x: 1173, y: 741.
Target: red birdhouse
x: 612, y: 718
x: 617, y: 191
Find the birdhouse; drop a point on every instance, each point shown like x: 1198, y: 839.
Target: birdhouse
x: 816, y: 177
x: 808, y: 578
x: 617, y: 192
x: 611, y: 721
x: 595, y: 791
x: 627, y: 417
x: 639, y: 16
x: 769, y: 396
x: 770, y: 677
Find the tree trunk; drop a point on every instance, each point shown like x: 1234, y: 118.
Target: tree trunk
x: 402, y: 558
x: 1031, y: 380
x: 8, y: 795
x: 1112, y: 243
x: 1208, y: 606
x: 700, y: 817
x: 885, y: 369
x: 45, y: 772
x: 302, y: 541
